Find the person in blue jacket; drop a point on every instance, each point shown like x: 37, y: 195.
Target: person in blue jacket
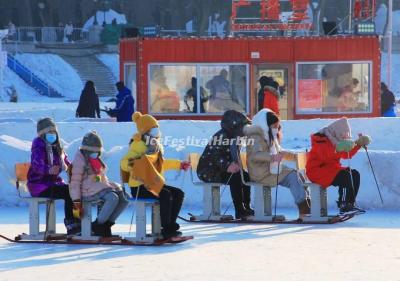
x: 125, y: 104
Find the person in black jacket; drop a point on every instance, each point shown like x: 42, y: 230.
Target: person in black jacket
x: 88, y: 102
x: 219, y: 161
x: 388, y: 102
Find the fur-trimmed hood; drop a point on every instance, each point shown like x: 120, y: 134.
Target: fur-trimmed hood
x: 272, y: 90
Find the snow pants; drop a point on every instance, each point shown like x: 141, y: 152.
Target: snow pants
x: 60, y: 192
x: 344, y: 181
x: 294, y: 181
x: 114, y: 203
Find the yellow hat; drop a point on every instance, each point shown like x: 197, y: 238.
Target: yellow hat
x: 144, y: 122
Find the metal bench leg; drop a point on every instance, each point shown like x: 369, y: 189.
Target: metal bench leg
x: 52, y: 217
x: 319, y: 211
x: 263, y: 204
x: 86, y: 223
x: 140, y: 221
x: 33, y: 218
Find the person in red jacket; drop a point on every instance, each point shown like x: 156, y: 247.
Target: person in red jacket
x: 268, y: 95
x: 323, y: 167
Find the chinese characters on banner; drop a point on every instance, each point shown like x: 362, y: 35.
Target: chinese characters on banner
x: 310, y: 95
x: 269, y: 16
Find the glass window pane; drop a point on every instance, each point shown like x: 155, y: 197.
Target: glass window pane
x: 226, y: 85
x: 130, y: 78
x: 333, y: 88
x: 168, y: 87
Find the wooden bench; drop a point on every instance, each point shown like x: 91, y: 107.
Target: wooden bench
x: 141, y: 204
x: 262, y: 197
x: 211, y: 194
x: 319, y: 198
x: 21, y: 175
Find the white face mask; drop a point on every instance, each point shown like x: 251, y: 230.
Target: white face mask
x: 154, y: 132
x: 274, y: 131
x: 94, y: 155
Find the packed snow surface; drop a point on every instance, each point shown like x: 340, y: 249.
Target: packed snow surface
x: 364, y: 248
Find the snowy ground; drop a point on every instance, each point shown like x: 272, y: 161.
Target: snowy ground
x: 364, y: 248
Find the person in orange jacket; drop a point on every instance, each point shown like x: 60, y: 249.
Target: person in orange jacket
x: 323, y: 166
x: 145, y: 164
x: 268, y: 95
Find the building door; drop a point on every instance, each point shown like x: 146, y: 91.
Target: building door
x: 282, y: 74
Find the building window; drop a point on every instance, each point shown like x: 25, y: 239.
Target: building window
x: 197, y: 88
x: 130, y: 78
x: 333, y: 87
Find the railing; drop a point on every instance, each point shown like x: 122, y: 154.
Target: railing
x: 29, y: 77
x: 48, y: 35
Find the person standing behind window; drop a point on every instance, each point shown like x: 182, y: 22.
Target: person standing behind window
x: 88, y: 102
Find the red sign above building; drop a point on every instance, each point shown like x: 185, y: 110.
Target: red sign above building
x: 269, y: 16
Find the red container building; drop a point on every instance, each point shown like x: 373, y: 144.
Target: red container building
x: 200, y: 78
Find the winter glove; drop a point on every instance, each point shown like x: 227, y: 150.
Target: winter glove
x: 363, y: 140
x: 77, y: 210
x: 233, y: 168
x: 185, y: 165
x: 344, y: 146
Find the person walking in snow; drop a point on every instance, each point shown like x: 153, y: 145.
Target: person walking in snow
x: 264, y: 155
x: 90, y: 183
x: 219, y: 161
x: 125, y: 104
x: 89, y: 105
x: 145, y: 164
x: 388, y: 102
x: 328, y: 146
x: 47, y: 162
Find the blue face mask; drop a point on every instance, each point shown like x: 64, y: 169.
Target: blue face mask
x: 94, y: 155
x: 51, y: 138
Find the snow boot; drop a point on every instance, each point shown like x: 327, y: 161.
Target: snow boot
x: 98, y: 229
x: 348, y: 208
x: 246, y: 199
x: 170, y: 231
x: 72, y: 227
x: 107, y: 229
x: 304, y: 208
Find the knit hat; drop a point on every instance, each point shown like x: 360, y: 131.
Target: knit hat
x: 337, y: 131
x: 91, y: 142
x: 45, y: 125
x: 144, y: 122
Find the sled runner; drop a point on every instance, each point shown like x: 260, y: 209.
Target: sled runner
x: 102, y: 241
x: 329, y: 220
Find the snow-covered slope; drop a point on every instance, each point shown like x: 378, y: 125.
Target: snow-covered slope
x: 25, y: 92
x: 55, y: 71
x: 112, y: 62
x: 15, y: 138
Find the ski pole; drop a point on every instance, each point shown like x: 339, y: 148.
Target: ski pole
x: 133, y: 210
x: 276, y: 191
x: 373, y: 173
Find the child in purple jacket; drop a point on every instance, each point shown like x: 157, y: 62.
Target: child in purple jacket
x: 47, y: 162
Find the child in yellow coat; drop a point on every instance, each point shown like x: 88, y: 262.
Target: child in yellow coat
x: 145, y: 164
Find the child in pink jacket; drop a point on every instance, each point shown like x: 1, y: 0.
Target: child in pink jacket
x: 90, y: 183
